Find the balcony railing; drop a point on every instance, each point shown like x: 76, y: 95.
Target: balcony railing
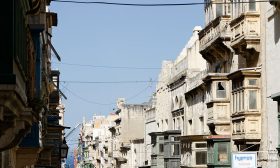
x: 217, y: 29
x: 246, y: 31
x: 246, y: 127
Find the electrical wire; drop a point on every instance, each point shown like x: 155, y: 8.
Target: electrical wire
x: 86, y: 100
x: 108, y: 82
x: 152, y: 5
x: 107, y: 104
x: 104, y: 66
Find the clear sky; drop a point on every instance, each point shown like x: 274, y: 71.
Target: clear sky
x: 116, y: 36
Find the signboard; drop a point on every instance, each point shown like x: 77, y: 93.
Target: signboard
x: 244, y: 160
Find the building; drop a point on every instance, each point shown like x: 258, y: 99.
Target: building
x: 237, y: 43
x: 27, y: 87
x: 270, y: 46
x: 218, y: 98
x: 150, y: 126
x: 128, y: 134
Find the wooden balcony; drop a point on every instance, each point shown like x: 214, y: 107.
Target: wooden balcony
x: 246, y: 33
x: 246, y: 105
x: 218, y: 103
x: 246, y: 127
x: 213, y: 39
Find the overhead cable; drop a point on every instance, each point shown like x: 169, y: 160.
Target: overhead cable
x: 103, y: 66
x: 107, y: 104
x: 153, y: 5
x: 108, y: 82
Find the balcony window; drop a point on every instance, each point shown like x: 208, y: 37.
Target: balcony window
x: 218, y: 152
x: 238, y: 8
x: 252, y: 82
x: 190, y: 127
x: 175, y: 149
x: 221, y: 90
x: 161, y: 148
x: 178, y: 124
x: 222, y: 152
x: 210, y: 153
x: 252, y: 5
x: 219, y: 8
x: 245, y: 97
x: 174, y: 124
x: 154, y: 160
x: 252, y: 99
x: 201, y: 119
x: 200, y: 150
x: 201, y: 158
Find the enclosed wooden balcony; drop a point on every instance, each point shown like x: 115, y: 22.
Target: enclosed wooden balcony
x: 246, y: 105
x: 246, y: 127
x: 214, y: 37
x: 218, y: 103
x: 246, y: 33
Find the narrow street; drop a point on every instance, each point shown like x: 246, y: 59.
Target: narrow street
x: 140, y: 84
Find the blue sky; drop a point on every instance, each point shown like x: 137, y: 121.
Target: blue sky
x: 99, y: 35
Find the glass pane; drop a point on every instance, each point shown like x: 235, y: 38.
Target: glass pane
x: 200, y: 145
x: 172, y: 138
x: 252, y: 99
x: 210, y: 154
x: 219, y: 8
x: 253, y: 82
x: 161, y: 148
x: 201, y: 157
x: 241, y: 100
x: 221, y: 90
x: 175, y: 149
x: 252, y: 5
x: 222, y: 152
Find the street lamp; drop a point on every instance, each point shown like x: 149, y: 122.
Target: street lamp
x: 64, y: 149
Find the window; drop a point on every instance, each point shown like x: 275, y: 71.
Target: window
x: 183, y: 124
x: 210, y: 153
x: 228, y: 9
x: 201, y: 157
x: 219, y: 8
x: 175, y: 149
x: 252, y: 5
x: 252, y: 82
x: 222, y: 152
x: 154, y: 160
x: 252, y: 99
x: 190, y: 127
x: 200, y: 150
x: 200, y: 145
x: 174, y: 124
x: 245, y: 98
x: 178, y: 124
x: 201, y: 119
x: 221, y: 90
x: 172, y: 138
x: 161, y: 148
